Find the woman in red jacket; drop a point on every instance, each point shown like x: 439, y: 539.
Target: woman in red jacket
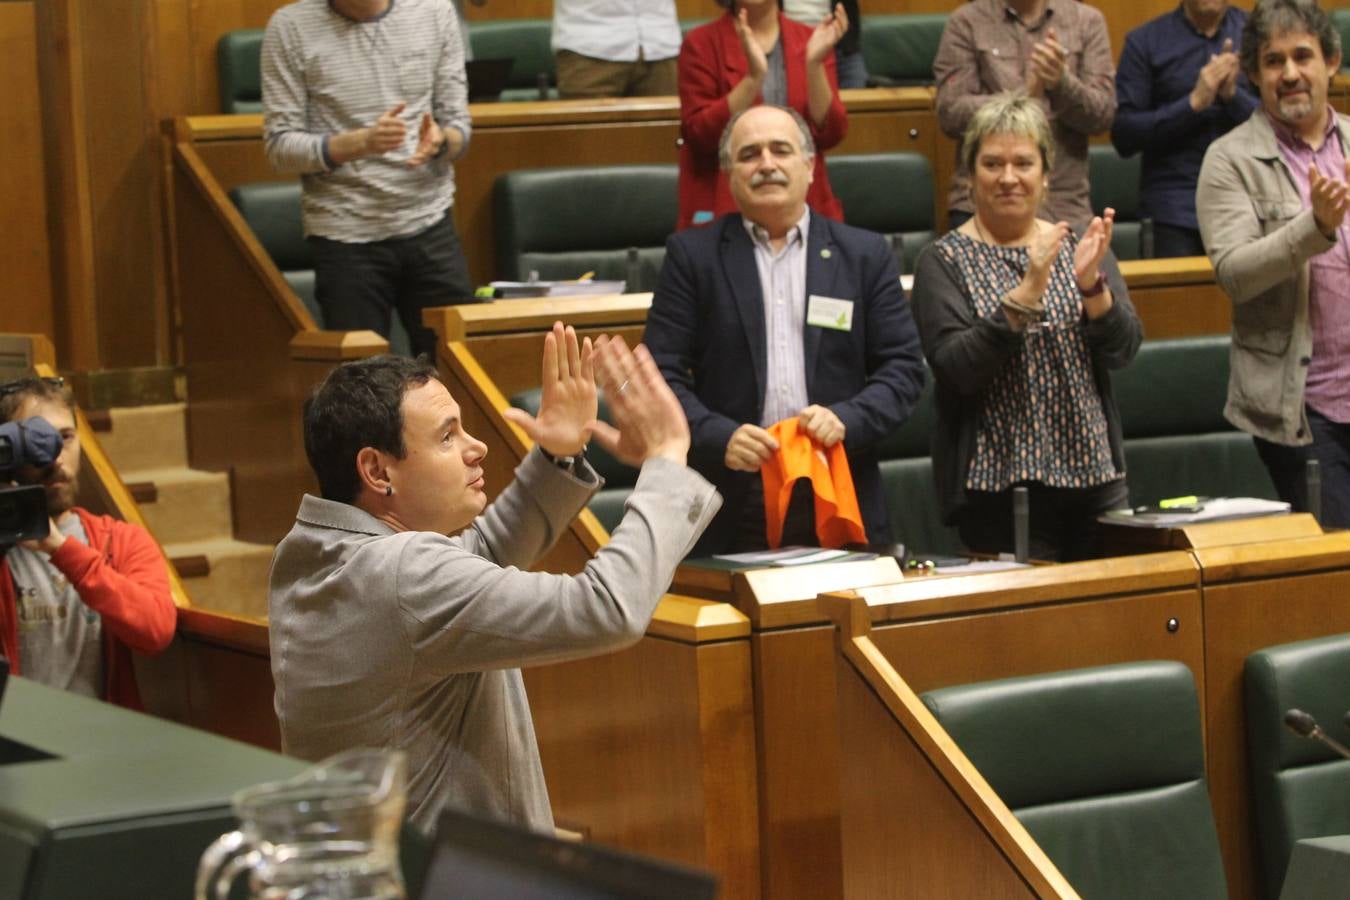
x: 751, y: 55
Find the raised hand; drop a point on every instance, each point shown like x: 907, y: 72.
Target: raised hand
x: 757, y: 63
x: 1232, y: 69
x: 822, y: 424
x: 387, y: 133
x: 1330, y: 198
x: 1217, y: 78
x: 1041, y: 255
x: 829, y: 32
x: 650, y: 420
x: 1092, y: 247
x: 567, y: 407
x: 749, y: 448
x: 430, y: 139
x: 1047, y: 64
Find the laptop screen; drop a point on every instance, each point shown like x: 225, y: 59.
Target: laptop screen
x: 484, y: 860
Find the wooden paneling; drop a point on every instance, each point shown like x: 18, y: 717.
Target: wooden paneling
x: 26, y: 282
x: 918, y: 820
x: 688, y: 707
x: 70, y: 212
x: 955, y: 630
x: 124, y: 182
x: 1258, y: 595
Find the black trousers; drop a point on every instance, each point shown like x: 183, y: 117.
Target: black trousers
x: 1063, y: 522
x: 1288, y: 466
x: 360, y: 285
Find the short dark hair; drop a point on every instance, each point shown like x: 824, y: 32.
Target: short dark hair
x: 1274, y: 17
x: 731, y: 4
x: 359, y: 404
x: 14, y: 394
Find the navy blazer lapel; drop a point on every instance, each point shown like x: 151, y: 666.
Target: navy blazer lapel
x: 738, y: 262
x: 822, y: 268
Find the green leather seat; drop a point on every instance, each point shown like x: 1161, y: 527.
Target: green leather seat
x: 272, y: 211
x: 1114, y: 182
x: 907, y: 478
x: 527, y: 42
x: 1105, y: 768
x: 1300, y: 788
x: 608, y: 503
x: 1341, y: 19
x: 239, y: 70
x: 567, y: 221
x: 899, y: 48
x: 1177, y: 442
x: 890, y: 193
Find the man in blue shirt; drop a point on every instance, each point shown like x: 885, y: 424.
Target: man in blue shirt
x: 1179, y: 87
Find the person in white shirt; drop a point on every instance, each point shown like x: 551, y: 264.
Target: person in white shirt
x: 615, y: 48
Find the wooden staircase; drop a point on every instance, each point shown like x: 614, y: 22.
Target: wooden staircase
x: 187, y: 510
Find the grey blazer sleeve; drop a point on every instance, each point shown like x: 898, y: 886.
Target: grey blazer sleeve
x: 462, y: 612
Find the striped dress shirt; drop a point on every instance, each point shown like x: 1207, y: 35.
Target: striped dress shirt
x: 324, y: 74
x: 782, y: 284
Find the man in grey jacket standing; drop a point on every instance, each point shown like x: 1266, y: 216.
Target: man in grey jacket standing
x: 401, y: 611
x: 1271, y: 201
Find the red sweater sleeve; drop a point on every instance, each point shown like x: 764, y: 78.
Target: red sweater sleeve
x: 704, y: 111
x: 128, y: 587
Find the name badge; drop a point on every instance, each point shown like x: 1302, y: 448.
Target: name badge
x: 829, y: 312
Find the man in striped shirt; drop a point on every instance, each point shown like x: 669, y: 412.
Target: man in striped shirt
x: 367, y: 100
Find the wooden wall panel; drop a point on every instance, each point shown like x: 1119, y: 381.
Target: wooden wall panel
x: 123, y: 182
x: 25, y: 279
x: 69, y: 226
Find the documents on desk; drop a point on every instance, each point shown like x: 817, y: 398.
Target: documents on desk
x: 517, y: 290
x: 1214, y: 509
x: 793, y: 556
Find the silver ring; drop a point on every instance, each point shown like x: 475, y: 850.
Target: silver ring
x: 623, y: 387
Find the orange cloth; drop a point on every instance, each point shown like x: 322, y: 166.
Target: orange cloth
x: 838, y: 520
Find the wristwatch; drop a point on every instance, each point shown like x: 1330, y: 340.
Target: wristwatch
x: 569, y: 464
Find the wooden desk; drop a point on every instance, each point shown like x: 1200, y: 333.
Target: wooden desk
x: 938, y: 631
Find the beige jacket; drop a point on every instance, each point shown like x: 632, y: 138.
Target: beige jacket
x: 1260, y: 236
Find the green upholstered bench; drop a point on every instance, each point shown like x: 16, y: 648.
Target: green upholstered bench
x: 1299, y: 786
x: 239, y: 71
x: 899, y: 48
x: 889, y: 193
x: 1177, y: 441
x: 907, y: 478
x: 566, y: 221
x: 1105, y: 768
x: 1114, y: 182
x: 527, y: 42
x: 272, y: 211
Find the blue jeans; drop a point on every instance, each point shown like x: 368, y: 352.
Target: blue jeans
x: 851, y: 69
x: 359, y: 286
x: 1288, y: 466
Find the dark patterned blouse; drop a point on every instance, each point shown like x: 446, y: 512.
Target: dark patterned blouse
x: 1041, y: 418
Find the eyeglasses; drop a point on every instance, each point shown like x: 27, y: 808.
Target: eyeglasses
x: 24, y: 384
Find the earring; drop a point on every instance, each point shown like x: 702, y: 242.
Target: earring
x: 389, y: 490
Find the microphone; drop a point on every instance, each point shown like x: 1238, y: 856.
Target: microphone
x: 1304, y: 725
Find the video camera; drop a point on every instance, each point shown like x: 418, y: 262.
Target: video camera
x: 23, y: 510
